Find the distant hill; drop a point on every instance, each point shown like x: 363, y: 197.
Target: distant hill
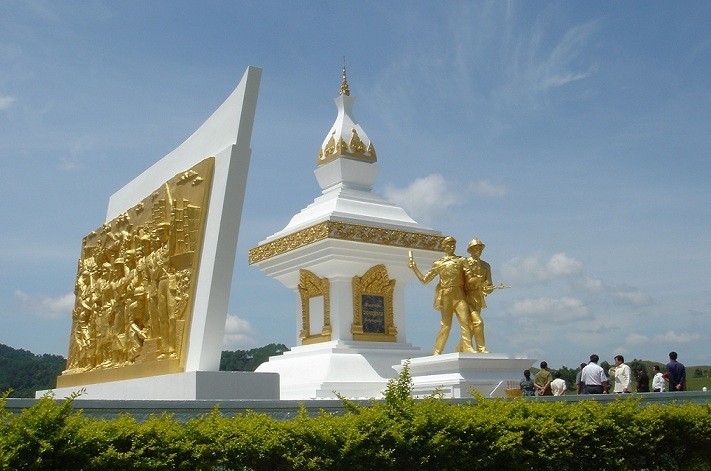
x: 24, y: 372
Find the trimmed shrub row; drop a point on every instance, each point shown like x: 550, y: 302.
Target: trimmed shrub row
x: 394, y: 434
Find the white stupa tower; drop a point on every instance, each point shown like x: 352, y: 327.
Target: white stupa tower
x: 346, y: 257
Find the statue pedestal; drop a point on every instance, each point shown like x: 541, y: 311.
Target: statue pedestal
x: 352, y: 369
x: 457, y: 375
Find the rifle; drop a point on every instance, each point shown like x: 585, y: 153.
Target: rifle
x: 492, y: 288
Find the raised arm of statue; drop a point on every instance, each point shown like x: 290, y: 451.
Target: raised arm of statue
x: 411, y: 263
x: 427, y: 277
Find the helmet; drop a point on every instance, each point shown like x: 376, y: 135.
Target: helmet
x: 474, y: 242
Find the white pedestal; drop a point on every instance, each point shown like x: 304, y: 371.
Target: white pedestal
x: 352, y: 369
x: 189, y: 386
x: 457, y: 375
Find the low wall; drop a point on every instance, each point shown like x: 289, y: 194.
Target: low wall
x: 285, y: 410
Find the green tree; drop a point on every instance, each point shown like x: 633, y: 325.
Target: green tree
x: 605, y: 366
x: 249, y: 360
x: 637, y: 365
x: 568, y: 374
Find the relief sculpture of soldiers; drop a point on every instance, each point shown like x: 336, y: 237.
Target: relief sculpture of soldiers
x: 464, y: 282
x: 136, y: 275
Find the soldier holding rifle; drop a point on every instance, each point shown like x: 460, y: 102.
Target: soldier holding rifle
x: 461, y: 290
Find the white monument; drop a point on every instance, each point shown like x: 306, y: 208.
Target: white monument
x: 345, y: 256
x: 154, y: 281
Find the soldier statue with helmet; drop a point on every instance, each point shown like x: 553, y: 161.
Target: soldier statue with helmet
x: 464, y: 283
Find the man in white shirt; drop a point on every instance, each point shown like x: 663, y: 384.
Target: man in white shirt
x: 558, y: 385
x: 622, y: 375
x: 593, y: 376
x: 657, y: 380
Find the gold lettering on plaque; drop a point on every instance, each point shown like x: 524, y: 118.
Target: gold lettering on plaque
x: 311, y: 286
x: 373, y: 316
x: 136, y: 282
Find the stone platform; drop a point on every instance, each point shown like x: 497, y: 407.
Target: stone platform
x: 188, y: 386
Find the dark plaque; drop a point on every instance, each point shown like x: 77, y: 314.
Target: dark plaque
x: 373, y: 309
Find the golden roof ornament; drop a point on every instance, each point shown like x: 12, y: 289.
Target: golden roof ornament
x: 344, y: 82
x: 346, y: 138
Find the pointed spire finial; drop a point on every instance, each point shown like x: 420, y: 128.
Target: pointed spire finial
x: 344, y: 82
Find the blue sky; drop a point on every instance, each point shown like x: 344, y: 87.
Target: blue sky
x: 573, y: 138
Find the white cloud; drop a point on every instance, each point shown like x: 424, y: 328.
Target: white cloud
x: 683, y: 337
x: 238, y: 333
x: 636, y: 339
x: 79, y: 147
x: 44, y: 306
x: 562, y: 265
x: 593, y: 285
x: 522, y: 269
x: 550, y: 309
x: 431, y: 196
x: 536, y: 64
x: 533, y: 270
x: 425, y: 197
x: 620, y: 350
x: 555, y: 70
x: 624, y: 294
x: 560, y: 80
x: 6, y: 102
x: 485, y: 188
x: 68, y: 162
x: 631, y: 296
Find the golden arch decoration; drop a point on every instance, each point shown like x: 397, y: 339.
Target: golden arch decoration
x: 373, y: 317
x: 311, y: 286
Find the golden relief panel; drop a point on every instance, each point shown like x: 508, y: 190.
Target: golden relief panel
x: 311, y: 286
x: 344, y: 231
x: 373, y: 317
x: 135, y: 285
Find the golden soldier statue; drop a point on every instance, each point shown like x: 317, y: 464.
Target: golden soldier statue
x: 464, y: 284
x: 449, y: 295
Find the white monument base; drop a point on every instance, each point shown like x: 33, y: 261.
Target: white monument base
x: 352, y: 369
x: 188, y: 386
x: 457, y: 375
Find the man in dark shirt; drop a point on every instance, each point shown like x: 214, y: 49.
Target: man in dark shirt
x: 642, y: 380
x: 676, y: 374
x: 578, y: 381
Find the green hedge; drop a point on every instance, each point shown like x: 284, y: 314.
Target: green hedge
x: 395, y: 434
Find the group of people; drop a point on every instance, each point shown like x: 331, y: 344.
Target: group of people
x: 544, y: 383
x: 592, y: 379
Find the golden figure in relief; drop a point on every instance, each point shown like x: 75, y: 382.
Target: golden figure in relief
x: 136, y: 278
x: 473, y: 275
